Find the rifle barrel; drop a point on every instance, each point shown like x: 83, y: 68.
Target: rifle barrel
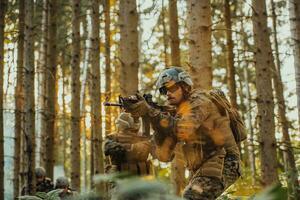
x: 111, y: 104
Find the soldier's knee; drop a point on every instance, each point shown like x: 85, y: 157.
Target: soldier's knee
x: 195, y: 192
x: 204, y: 188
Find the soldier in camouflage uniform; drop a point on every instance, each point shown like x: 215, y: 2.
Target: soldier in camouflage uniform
x: 43, y: 183
x: 211, y: 153
x: 127, y: 150
x: 63, y: 183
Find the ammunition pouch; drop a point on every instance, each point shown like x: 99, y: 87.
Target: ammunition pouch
x: 201, y: 165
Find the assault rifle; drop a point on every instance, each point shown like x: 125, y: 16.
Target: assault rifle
x: 126, y: 102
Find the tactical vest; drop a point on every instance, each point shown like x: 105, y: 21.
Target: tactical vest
x: 213, y: 139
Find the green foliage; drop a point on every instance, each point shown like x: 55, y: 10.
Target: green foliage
x: 27, y: 197
x: 52, y: 195
x: 275, y: 192
x: 132, y: 187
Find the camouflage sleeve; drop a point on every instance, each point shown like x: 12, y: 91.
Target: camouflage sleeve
x: 165, y: 151
x: 191, y: 116
x: 139, y: 151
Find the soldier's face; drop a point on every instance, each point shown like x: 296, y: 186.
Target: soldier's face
x: 174, y: 94
x: 40, y: 179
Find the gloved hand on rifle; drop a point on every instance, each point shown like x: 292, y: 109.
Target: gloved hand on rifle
x: 140, y: 108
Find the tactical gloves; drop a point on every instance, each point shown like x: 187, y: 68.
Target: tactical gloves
x: 141, y: 108
x: 115, y: 150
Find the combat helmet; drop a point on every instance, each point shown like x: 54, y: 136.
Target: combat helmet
x: 61, y: 182
x: 40, y: 172
x: 125, y: 122
x: 175, y: 74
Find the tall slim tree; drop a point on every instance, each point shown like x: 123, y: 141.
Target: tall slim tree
x: 165, y: 36
x: 177, y: 165
x: 19, y: 100
x: 84, y: 86
x: 51, y: 89
x: 107, y: 66
x: 265, y: 103
x: 75, y: 103
x: 95, y: 91
x: 288, y: 153
x: 3, y: 4
x: 199, y: 38
x: 246, y: 78
x: 294, y: 12
x: 29, y: 108
x: 129, y: 47
x: 42, y: 77
x: 174, y: 38
x: 229, y: 55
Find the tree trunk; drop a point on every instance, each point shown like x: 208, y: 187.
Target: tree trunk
x: 249, y: 106
x: 165, y: 36
x: 19, y: 100
x: 288, y: 153
x: 128, y: 47
x: 244, y: 153
x: 75, y: 103
x: 177, y: 165
x: 229, y: 55
x: 43, y: 83
x: 51, y: 92
x: 250, y: 128
x: 3, y: 4
x: 95, y: 92
x: 174, y: 38
x: 294, y: 11
x: 199, y: 28
x: 265, y: 103
x: 107, y: 67
x: 64, y: 113
x: 84, y: 87
x: 29, y: 109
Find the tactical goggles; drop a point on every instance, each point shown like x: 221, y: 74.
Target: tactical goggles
x: 173, y: 88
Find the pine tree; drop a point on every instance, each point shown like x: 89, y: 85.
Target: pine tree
x: 3, y: 4
x: 29, y: 109
x: 288, y: 153
x: 229, y: 55
x: 199, y: 29
x: 42, y: 78
x: 294, y: 12
x: 95, y: 92
x: 19, y: 100
x: 174, y: 38
x: 75, y: 104
x: 50, y: 88
x: 129, y: 47
x: 265, y: 103
x: 107, y: 66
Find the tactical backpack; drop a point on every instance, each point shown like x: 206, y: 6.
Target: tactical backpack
x: 237, y: 124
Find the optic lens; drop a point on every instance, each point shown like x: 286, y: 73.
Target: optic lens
x: 163, y: 90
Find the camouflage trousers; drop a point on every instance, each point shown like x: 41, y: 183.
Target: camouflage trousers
x: 231, y: 170
x: 209, y: 188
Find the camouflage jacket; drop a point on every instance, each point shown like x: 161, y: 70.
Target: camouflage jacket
x: 205, y: 134
x: 43, y: 186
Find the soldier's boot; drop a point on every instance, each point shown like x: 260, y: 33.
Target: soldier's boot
x: 203, y: 188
